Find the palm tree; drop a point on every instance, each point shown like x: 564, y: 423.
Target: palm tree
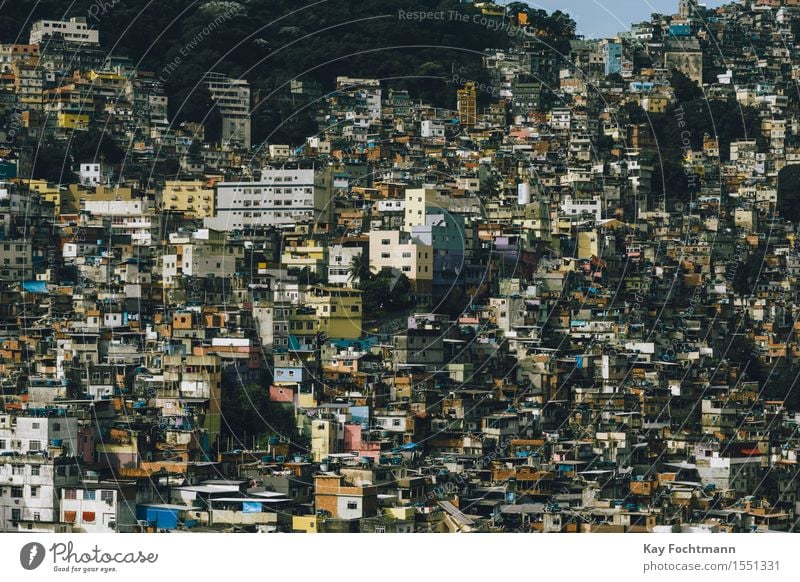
x: 359, y: 269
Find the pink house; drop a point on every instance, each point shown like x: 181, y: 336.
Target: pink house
x: 281, y: 393
x: 353, y: 443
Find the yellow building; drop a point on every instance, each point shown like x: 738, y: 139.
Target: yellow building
x: 308, y: 253
x: 188, y: 196
x: 107, y: 81
x: 653, y: 103
x: 71, y: 197
x: 48, y: 191
x: 73, y: 121
x: 323, y: 439
x: 468, y: 104
x: 417, y: 200
x: 339, y: 311
x: 304, y: 524
x: 588, y: 245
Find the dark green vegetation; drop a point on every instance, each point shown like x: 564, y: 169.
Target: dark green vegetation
x: 387, y: 292
x: 684, y: 126
x: 247, y: 413
x: 778, y: 381
x: 270, y: 43
x: 789, y: 192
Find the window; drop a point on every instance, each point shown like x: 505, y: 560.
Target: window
x: 107, y: 495
x: 70, y: 493
x: 17, y: 469
x: 88, y: 495
x: 396, y: 422
x: 380, y: 529
x: 2, y: 444
x: 56, y: 426
x: 35, y: 470
x: 352, y: 505
x: 35, y: 445
x: 16, y: 492
x: 34, y: 491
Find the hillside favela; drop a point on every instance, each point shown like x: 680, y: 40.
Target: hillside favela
x: 398, y: 266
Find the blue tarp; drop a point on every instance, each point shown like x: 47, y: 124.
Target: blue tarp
x: 162, y: 517
x: 251, y: 507
x: 39, y: 287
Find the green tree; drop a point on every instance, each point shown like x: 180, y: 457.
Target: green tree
x: 359, y: 269
x: 386, y: 292
x: 247, y: 412
x: 685, y: 89
x: 789, y: 192
x: 52, y: 162
x: 95, y: 144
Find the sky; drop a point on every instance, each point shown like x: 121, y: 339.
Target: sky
x: 605, y: 18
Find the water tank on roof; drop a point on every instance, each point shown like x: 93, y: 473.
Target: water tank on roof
x: 523, y: 193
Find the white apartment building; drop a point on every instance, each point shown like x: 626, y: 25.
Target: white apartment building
x: 128, y: 217
x: 340, y: 262
x: 394, y: 250
x: 432, y: 129
x: 29, y: 486
x: 98, y: 508
x: 232, y: 97
x: 74, y: 30
x: 94, y: 174
x: 571, y: 208
x: 281, y: 196
x: 23, y: 434
x: 30, y: 471
x: 391, y: 205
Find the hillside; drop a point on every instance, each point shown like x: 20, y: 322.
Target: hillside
x: 270, y: 43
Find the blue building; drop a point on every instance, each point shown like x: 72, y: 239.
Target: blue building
x: 612, y: 55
